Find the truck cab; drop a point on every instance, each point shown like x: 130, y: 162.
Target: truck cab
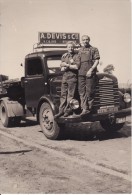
x: 39, y: 69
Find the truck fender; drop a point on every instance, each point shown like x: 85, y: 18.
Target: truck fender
x: 14, y: 108
x: 49, y: 101
x: 122, y: 103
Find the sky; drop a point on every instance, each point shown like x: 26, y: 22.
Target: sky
x: 107, y: 22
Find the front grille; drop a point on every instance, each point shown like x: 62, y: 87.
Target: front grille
x: 106, y: 94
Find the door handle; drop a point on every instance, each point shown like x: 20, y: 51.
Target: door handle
x: 25, y: 81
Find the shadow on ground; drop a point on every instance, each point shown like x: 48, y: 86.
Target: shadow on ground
x: 27, y: 123
x: 84, y: 132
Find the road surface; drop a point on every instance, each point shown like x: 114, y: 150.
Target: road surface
x: 86, y: 160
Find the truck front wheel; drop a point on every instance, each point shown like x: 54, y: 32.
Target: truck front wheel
x: 111, y: 126
x: 6, y: 121
x: 49, y: 126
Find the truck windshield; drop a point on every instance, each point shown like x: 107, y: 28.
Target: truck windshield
x: 53, y: 64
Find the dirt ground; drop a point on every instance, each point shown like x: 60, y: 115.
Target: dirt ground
x: 87, y: 160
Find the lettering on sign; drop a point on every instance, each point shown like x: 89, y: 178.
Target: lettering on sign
x: 58, y: 38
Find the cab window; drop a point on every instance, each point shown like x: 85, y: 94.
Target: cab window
x: 53, y: 64
x: 34, y: 66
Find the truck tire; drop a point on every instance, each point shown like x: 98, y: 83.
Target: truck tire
x: 49, y: 126
x: 6, y: 121
x: 111, y: 126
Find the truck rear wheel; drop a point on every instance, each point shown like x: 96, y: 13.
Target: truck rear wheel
x: 111, y: 126
x: 6, y: 121
x: 49, y: 126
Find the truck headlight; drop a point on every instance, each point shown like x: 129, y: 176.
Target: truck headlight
x: 74, y: 104
x: 127, y: 97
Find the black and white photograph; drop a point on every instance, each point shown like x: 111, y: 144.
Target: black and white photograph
x: 65, y: 97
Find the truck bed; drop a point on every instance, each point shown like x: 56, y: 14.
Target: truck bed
x: 11, y: 88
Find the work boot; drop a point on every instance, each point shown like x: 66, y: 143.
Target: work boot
x: 58, y: 115
x: 85, y: 112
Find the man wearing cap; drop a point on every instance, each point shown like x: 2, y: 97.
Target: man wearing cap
x: 70, y: 62
x: 87, y: 73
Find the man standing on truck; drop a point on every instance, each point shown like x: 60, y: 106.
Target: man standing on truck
x: 70, y: 63
x: 87, y: 73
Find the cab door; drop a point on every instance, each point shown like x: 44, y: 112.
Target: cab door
x: 35, y: 85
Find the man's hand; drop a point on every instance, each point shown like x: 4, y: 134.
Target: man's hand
x: 89, y: 73
x: 71, y: 60
x: 63, y: 68
x: 63, y: 64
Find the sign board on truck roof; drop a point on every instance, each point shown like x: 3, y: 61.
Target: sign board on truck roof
x: 58, y: 38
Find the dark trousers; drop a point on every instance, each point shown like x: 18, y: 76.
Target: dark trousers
x: 68, y: 88
x: 86, y: 87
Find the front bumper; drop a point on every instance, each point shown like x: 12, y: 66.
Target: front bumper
x: 94, y: 117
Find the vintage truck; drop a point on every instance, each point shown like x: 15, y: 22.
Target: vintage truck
x: 38, y: 93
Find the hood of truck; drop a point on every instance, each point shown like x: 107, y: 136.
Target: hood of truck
x: 55, y: 82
